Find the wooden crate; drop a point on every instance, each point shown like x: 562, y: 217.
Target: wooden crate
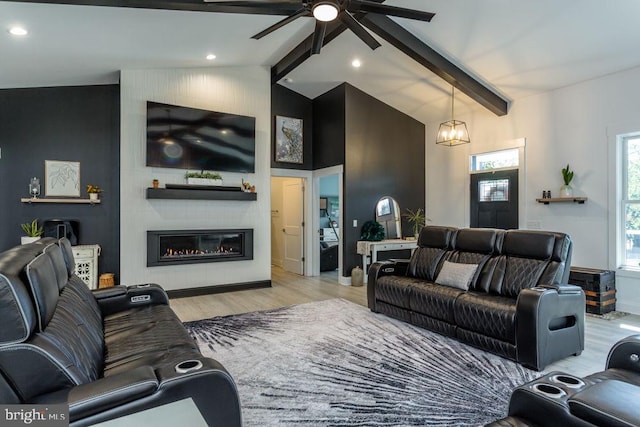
x: 599, y: 287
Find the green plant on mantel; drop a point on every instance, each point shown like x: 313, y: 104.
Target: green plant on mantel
x: 567, y: 175
x: 203, y: 174
x: 32, y: 229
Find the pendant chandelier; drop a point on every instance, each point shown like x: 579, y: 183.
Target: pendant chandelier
x: 453, y: 132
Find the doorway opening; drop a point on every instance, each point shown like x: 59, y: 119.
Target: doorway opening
x: 494, y: 190
x: 329, y: 217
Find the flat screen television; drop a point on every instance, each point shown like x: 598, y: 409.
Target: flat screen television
x: 190, y: 138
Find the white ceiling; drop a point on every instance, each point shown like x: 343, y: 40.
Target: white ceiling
x: 518, y: 47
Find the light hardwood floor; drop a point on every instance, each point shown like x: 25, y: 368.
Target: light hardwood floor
x: 288, y: 289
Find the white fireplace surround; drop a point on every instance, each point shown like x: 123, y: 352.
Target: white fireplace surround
x: 237, y: 90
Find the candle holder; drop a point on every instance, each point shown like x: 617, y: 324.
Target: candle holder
x: 34, y: 188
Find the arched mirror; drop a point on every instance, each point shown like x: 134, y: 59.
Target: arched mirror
x: 388, y: 214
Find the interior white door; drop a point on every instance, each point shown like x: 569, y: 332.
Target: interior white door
x: 292, y: 215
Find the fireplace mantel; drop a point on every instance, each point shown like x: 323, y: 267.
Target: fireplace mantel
x: 188, y: 194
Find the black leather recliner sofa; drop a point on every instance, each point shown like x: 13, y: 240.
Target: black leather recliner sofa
x: 106, y: 353
x: 607, y: 398
x: 517, y: 304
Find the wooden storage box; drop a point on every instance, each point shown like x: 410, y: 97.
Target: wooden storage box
x: 599, y: 287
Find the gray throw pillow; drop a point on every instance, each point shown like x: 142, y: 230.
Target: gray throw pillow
x: 456, y: 275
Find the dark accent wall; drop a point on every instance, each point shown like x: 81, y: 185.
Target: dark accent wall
x: 287, y: 103
x: 62, y: 123
x: 383, y: 153
x: 329, y: 128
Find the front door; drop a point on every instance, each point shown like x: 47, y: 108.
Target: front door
x: 494, y: 199
x: 293, y: 214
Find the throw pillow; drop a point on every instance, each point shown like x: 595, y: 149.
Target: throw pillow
x: 456, y: 275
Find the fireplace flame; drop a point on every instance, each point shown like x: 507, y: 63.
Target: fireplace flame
x: 170, y: 252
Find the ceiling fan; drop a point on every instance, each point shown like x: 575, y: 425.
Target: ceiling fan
x: 324, y: 11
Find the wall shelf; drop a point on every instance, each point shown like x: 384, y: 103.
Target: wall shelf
x: 188, y: 194
x: 578, y: 200
x: 53, y: 200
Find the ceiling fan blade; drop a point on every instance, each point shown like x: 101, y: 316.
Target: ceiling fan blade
x: 401, y: 12
x: 279, y: 7
x: 318, y: 37
x: 358, y: 29
x: 282, y: 23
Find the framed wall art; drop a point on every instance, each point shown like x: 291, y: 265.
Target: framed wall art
x: 62, y: 178
x: 289, y: 143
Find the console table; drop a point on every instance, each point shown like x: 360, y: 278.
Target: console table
x: 370, y: 249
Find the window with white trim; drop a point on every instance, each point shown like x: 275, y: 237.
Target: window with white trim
x: 502, y: 159
x: 630, y: 202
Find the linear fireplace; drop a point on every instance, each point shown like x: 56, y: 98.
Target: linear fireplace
x: 170, y: 247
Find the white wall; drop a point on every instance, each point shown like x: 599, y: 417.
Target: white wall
x: 568, y: 125
x: 238, y: 90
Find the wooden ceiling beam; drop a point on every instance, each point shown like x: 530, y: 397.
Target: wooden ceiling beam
x: 185, y: 5
x: 419, y: 51
x: 302, y: 52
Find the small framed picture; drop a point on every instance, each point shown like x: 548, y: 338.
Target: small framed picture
x: 62, y: 178
x: 289, y: 144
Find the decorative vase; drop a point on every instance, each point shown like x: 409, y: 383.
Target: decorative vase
x: 566, y: 191
x: 24, y: 240
x: 93, y: 196
x: 357, y: 276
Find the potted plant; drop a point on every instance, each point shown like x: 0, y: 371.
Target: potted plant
x: 93, y: 191
x: 32, y: 230
x: 418, y: 218
x: 567, y: 175
x: 203, y: 178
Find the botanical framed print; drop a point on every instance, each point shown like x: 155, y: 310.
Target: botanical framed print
x: 289, y: 144
x: 62, y: 178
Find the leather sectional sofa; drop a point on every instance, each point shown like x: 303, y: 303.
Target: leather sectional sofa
x: 512, y: 299
x: 607, y: 398
x: 106, y: 353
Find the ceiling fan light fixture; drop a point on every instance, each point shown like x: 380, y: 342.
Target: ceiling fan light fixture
x: 326, y: 11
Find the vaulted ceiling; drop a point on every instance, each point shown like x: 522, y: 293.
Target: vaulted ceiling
x: 516, y: 48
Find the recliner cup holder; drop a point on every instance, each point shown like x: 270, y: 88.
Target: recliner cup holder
x: 188, y: 366
x: 549, y: 390
x: 567, y: 380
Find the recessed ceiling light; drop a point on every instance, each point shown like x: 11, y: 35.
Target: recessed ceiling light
x: 18, y: 31
x: 211, y: 57
x: 288, y: 80
x: 356, y: 63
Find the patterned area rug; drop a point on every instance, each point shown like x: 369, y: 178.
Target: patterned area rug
x: 612, y: 315
x: 335, y: 363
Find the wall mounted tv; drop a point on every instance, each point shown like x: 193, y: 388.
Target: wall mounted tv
x: 190, y: 138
